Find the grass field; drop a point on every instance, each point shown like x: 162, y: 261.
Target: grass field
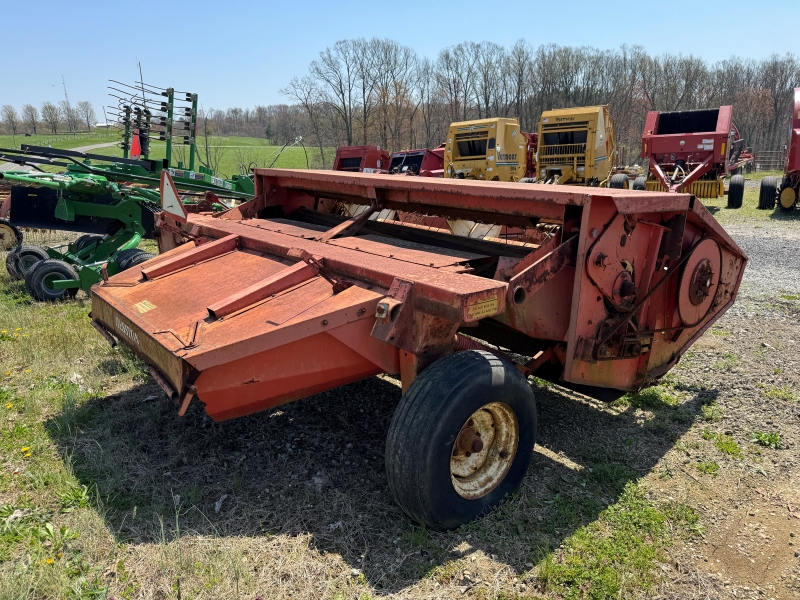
x: 236, y: 151
x: 231, y: 152
x: 60, y: 140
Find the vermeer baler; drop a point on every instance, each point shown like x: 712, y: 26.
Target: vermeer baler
x: 606, y: 293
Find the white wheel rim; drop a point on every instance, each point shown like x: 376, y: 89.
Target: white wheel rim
x: 475, y: 474
x: 8, y: 239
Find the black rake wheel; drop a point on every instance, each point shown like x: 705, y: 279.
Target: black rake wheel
x: 39, y: 280
x: 23, y: 259
x: 736, y: 191
x: 767, y: 192
x: 461, y: 439
x: 131, y: 258
x: 87, y: 240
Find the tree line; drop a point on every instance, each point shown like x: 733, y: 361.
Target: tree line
x: 378, y: 91
x: 49, y: 118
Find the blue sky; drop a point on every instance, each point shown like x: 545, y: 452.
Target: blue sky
x: 238, y: 53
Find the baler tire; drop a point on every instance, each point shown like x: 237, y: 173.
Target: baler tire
x: 25, y: 258
x: 640, y: 183
x: 11, y: 236
x: 127, y: 259
x: 458, y: 392
x: 36, y: 280
x: 767, y: 192
x: 619, y: 181
x: 736, y: 191
x: 87, y: 240
x: 786, y: 185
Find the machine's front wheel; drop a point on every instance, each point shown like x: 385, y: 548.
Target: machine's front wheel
x: 39, y: 280
x: 640, y: 183
x: 736, y: 191
x: 619, y: 181
x: 23, y: 259
x: 767, y: 191
x: 461, y: 439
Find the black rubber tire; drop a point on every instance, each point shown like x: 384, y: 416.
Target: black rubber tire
x: 736, y: 191
x: 86, y: 240
x: 36, y: 280
x: 24, y: 258
x: 10, y: 236
x: 640, y: 183
x: 767, y: 193
x: 619, y: 181
x: 425, y: 425
x: 131, y: 258
x: 11, y: 265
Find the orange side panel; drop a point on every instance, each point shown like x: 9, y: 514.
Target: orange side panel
x: 273, y: 377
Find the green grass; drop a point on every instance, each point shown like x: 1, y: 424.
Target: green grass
x: 616, y: 555
x: 708, y: 467
x: 768, y: 440
x: 778, y: 392
x: 241, y: 150
x: 749, y: 212
x: 61, y: 140
x: 727, y: 362
x: 712, y: 412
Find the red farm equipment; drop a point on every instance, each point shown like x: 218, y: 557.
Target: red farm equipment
x: 788, y: 192
x: 361, y: 159
x: 422, y: 162
x: 692, y: 151
x: 288, y: 300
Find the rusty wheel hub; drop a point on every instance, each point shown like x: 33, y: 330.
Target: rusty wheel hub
x: 699, y: 282
x: 702, y: 279
x: 484, y: 450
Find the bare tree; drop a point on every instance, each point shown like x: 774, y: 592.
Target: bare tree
x: 30, y: 116
x: 337, y: 70
x: 51, y: 115
x: 306, y: 93
x: 213, y: 154
x: 10, y: 118
x: 85, y: 111
x: 70, y: 115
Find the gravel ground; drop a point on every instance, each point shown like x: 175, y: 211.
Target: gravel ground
x: 748, y: 365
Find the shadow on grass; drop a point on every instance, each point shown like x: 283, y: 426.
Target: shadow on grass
x: 316, y: 467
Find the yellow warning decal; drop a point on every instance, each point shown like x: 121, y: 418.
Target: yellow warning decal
x: 722, y: 149
x: 483, y: 308
x: 144, y: 306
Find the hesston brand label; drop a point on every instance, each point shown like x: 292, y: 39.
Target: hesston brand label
x: 144, y: 306
x: 126, y: 330
x: 483, y: 308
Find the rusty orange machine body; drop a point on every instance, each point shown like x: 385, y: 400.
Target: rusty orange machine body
x: 251, y: 312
